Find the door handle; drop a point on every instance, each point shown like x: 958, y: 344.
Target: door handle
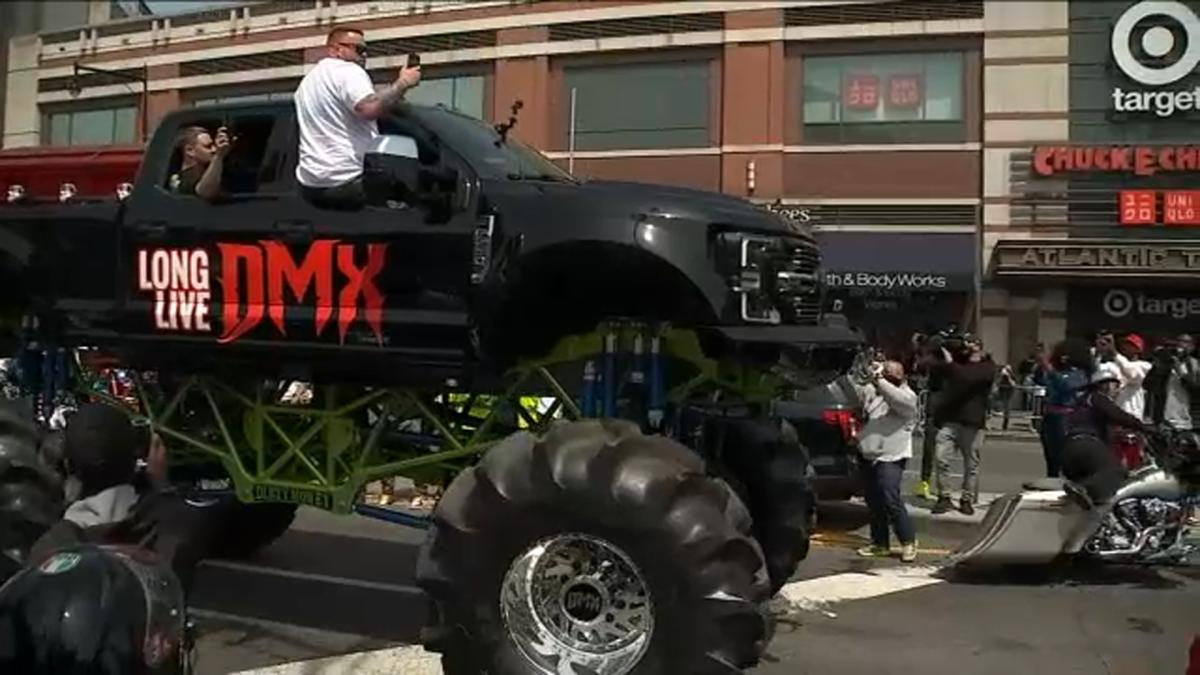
x: 159, y: 227
x: 294, y: 229
x: 151, y: 227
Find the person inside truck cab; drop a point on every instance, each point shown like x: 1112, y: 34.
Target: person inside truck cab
x: 203, y: 162
x: 336, y: 107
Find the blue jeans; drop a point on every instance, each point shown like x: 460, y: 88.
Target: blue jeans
x: 882, y: 491
x: 1054, y: 436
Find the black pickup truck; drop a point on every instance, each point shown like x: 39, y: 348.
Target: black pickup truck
x: 471, y: 246
x: 474, y: 257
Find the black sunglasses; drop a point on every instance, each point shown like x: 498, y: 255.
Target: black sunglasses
x: 359, y: 47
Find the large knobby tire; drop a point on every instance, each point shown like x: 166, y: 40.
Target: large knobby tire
x: 31, y: 499
x: 543, y: 515
x: 770, y: 468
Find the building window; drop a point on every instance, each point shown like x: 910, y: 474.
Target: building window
x: 100, y: 126
x: 462, y: 93
x: 884, y: 98
x: 648, y: 105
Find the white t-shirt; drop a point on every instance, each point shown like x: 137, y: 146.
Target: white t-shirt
x: 333, y: 138
x: 1132, y: 394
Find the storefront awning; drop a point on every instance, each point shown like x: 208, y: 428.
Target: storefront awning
x: 899, y: 261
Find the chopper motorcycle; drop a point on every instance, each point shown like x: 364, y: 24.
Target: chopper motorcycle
x: 1145, y: 522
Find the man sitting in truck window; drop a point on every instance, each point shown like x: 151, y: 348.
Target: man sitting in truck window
x: 203, y: 162
x: 336, y: 107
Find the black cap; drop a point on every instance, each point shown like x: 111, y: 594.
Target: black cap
x: 102, y: 446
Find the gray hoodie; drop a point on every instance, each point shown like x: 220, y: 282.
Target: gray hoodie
x: 103, y: 508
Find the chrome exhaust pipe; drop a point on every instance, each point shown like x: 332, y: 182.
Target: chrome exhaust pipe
x: 1138, y: 546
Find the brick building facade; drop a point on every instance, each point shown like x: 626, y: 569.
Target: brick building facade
x: 892, y: 127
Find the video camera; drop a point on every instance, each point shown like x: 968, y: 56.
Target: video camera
x: 956, y: 341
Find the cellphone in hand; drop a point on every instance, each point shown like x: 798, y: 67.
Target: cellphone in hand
x: 414, y: 60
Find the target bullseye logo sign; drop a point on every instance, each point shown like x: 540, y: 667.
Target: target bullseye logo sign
x: 1156, y: 43
x: 1118, y: 303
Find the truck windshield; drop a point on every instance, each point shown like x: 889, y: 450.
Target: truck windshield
x: 480, y: 144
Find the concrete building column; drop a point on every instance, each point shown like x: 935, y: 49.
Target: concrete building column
x: 1026, y: 77
x: 161, y: 102
x: 22, y: 124
x: 99, y: 11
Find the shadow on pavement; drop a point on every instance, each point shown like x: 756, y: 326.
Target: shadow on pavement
x: 1069, y: 573
x: 841, y: 516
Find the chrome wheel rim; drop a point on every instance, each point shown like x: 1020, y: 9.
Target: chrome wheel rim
x: 573, y: 603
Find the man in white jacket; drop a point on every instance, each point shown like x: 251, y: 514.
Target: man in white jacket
x: 886, y: 447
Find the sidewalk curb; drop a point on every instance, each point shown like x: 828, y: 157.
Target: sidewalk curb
x: 1013, y: 435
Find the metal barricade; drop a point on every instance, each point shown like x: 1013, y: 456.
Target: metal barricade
x: 1023, y: 407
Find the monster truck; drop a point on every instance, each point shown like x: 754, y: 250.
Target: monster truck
x: 635, y: 519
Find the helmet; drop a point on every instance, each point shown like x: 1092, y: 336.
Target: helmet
x: 1107, y: 372
x: 94, y: 610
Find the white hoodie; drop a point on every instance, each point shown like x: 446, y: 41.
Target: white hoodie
x: 891, y: 412
x: 1132, y: 394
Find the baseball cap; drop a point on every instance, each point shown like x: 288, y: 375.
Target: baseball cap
x: 1135, y: 340
x: 102, y: 446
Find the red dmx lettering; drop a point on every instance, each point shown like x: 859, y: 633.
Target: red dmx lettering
x: 255, y: 276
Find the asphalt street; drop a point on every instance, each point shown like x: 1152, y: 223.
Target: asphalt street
x: 343, y: 585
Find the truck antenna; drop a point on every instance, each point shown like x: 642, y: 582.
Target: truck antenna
x: 504, y: 127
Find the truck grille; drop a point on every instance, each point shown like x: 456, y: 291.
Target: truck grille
x: 776, y: 278
x: 803, y: 258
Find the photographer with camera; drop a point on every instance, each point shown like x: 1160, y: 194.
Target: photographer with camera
x: 885, y: 448
x: 928, y: 364
x: 1171, y: 386
x: 961, y: 418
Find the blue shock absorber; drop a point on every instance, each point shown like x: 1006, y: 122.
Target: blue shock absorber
x: 49, y: 380
x: 655, y: 412
x: 62, y: 380
x: 588, y: 402
x: 637, y: 379
x: 610, y: 374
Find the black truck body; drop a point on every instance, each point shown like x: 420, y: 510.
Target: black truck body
x: 473, y: 250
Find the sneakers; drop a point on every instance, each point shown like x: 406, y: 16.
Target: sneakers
x: 923, y: 490
x: 966, y: 507
x: 874, y: 552
x: 908, y: 552
x: 943, y: 505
